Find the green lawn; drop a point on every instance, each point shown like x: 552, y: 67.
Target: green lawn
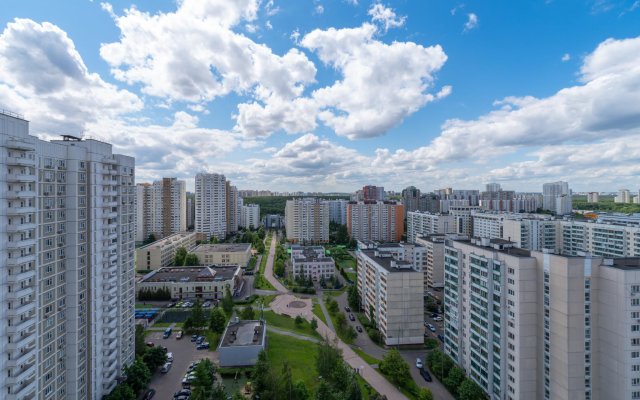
x: 317, y: 311
x: 366, y: 357
x: 300, y: 354
x: 335, y: 293
x: 289, y: 324
x: 347, y: 263
x: 260, y: 282
x: 162, y: 325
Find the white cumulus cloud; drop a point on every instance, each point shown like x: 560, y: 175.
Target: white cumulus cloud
x: 472, y: 22
x: 385, y: 16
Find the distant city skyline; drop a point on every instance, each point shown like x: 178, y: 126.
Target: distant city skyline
x: 308, y: 95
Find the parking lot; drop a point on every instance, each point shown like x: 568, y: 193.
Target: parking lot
x: 184, y: 352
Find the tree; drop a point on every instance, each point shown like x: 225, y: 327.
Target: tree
x: 328, y: 357
x: 138, y: 375
x: 150, y: 239
x: 353, y: 389
x: 213, y: 240
x: 278, y: 268
x: 217, y: 321
x: 469, y: 390
x: 198, y: 319
x: 454, y: 379
x: 191, y: 260
x: 181, y: 255
x: 121, y: 392
x: 187, y: 325
x: 264, y: 380
x: 286, y: 382
x: 325, y: 392
x: 202, y: 385
x: 314, y: 324
x: 248, y: 313
x: 394, y: 366
x: 425, y: 394
x: 155, y: 357
x: 141, y: 347
x: 227, y: 301
x: 353, y: 298
x: 299, y: 320
x: 372, y: 316
x: 300, y: 391
x: 439, y: 363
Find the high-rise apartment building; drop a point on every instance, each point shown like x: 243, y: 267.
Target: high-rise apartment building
x: 593, y: 197
x: 375, y: 193
x: 531, y: 232
x: 161, y: 208
x: 493, y: 187
x: 624, y: 196
x: 556, y: 197
x: 211, y: 205
x: 307, y: 220
x: 411, y: 199
x: 338, y: 211
x: 232, y: 205
x: 250, y: 216
x: 434, y: 259
x: 375, y: 220
x: 425, y: 223
x: 191, y: 210
x: 67, y: 230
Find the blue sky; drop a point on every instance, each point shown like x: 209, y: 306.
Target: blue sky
x: 334, y: 94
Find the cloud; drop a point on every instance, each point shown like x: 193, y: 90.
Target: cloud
x: 43, y: 76
x: 151, y: 52
x: 566, y: 57
x: 472, y: 22
x: 455, y: 9
x: 385, y: 16
x: 319, y: 9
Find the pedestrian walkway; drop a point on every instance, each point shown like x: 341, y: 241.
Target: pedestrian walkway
x: 268, y: 269
x: 292, y: 334
x: 324, y: 311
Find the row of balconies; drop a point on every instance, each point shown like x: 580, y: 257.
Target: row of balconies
x: 21, y: 161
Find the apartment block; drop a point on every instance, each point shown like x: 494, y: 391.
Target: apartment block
x: 67, y: 230
x: 434, y: 260
x: 338, y: 211
x: 411, y: 199
x: 556, y: 197
x: 374, y: 193
x: 224, y: 254
x: 191, y: 211
x: 206, y: 282
x: 211, y: 205
x: 162, y: 253
x: 311, y: 262
x: 249, y: 216
x: 232, y: 208
x: 611, y: 240
x: 426, y: 223
x: 488, y: 225
x: 161, y: 208
x: 463, y: 218
x: 375, y: 220
x: 593, y: 197
x: 531, y: 233
x: 307, y: 220
x: 394, y: 290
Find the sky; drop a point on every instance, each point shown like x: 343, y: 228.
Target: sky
x: 330, y: 95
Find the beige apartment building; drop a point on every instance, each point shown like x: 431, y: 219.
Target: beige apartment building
x: 162, y: 253
x: 161, y: 208
x: 224, y: 254
x: 393, y: 289
x: 434, y: 260
x: 307, y: 220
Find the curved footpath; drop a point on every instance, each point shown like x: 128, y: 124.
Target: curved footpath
x: 280, y: 305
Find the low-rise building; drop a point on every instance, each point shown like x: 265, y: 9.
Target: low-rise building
x: 311, y: 261
x: 207, y: 283
x: 162, y: 253
x: 242, y: 342
x: 224, y: 254
x: 393, y: 289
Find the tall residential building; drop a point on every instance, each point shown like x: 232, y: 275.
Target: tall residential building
x: 161, y: 208
x: 411, y: 199
x: 531, y: 233
x: 191, y: 210
x: 392, y: 288
x: 425, y: 223
x: 463, y: 219
x: 375, y: 193
x: 624, y: 196
x: 556, y: 197
x: 536, y: 325
x: 434, y: 259
x: 493, y: 187
x: 67, y: 230
x: 211, y: 205
x: 499, y: 200
x: 593, y: 197
x: 232, y: 208
x: 307, y: 220
x: 375, y: 220
x: 338, y: 211
x: 250, y: 216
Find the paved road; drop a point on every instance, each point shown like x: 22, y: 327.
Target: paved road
x: 268, y: 269
x: 184, y: 352
x: 362, y: 340
x: 437, y: 388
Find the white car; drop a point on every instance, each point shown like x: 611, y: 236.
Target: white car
x: 170, y: 357
x: 418, y: 363
x: 438, y: 319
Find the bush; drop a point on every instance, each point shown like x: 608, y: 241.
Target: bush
x: 374, y: 335
x: 431, y: 343
x: 160, y: 294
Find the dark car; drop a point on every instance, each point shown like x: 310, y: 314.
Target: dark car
x: 203, y: 346
x: 425, y: 374
x: 434, y: 315
x: 347, y: 309
x: 150, y: 344
x: 441, y: 337
x: 183, y: 392
x: 194, y: 338
x: 352, y: 317
x: 148, y: 395
x: 359, y: 328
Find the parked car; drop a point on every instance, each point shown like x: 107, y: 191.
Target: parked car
x: 206, y: 304
x: 200, y: 339
x: 183, y: 392
x: 347, y: 309
x: 203, y: 346
x: 437, y: 319
x: 170, y: 357
x: 434, y: 315
x: 431, y: 328
x: 359, y: 328
x: 167, y: 333
x: 171, y: 305
x: 148, y: 395
x: 441, y: 337
x: 418, y: 363
x: 426, y: 324
x: 150, y: 344
x: 179, y: 335
x: 192, y: 366
x: 352, y: 317
x: 425, y: 374
x: 165, y: 368
x: 194, y: 338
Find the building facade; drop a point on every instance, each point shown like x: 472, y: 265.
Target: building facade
x: 426, y: 223
x: 307, y: 220
x: 161, y: 208
x: 162, y: 253
x: 250, y: 216
x: 233, y: 204
x: 338, y: 211
x: 434, y: 260
x: 311, y: 262
x: 67, y: 231
x: 211, y: 205
x: 556, y: 197
x: 375, y: 220
x: 223, y: 254
x: 206, y: 283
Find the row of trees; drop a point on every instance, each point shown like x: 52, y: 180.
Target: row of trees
x: 185, y: 259
x: 256, y: 238
x: 343, y: 329
x: 148, y: 294
x: 397, y: 370
x: 279, y: 261
x: 197, y: 321
x: 453, y: 377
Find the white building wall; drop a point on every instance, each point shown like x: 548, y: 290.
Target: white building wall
x: 210, y: 197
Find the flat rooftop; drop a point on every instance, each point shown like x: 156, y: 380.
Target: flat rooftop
x: 167, y: 241
x: 243, y: 333
x: 629, y: 263
x: 500, y: 245
x: 310, y: 254
x: 211, y: 273
x: 224, y: 248
x: 387, y: 262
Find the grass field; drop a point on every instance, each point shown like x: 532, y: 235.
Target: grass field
x: 300, y: 354
x: 366, y: 357
x: 317, y: 311
x: 289, y: 324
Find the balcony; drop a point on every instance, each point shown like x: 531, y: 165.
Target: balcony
x: 17, y: 261
x: 20, y: 210
x: 21, y: 178
x: 26, y: 291
x: 21, y: 359
x: 23, y: 325
x: 21, y: 161
x: 20, y: 145
x: 20, y: 194
x: 21, y: 227
x: 24, y: 390
x: 18, y: 244
x: 22, y: 373
x: 23, y: 308
x: 20, y: 342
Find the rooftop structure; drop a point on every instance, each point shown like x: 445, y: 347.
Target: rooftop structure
x: 242, y: 342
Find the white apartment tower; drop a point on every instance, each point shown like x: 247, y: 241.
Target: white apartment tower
x: 307, y: 220
x: 211, y: 205
x: 624, y: 196
x: 426, y: 223
x: 338, y: 211
x: 556, y: 197
x: 250, y: 216
x: 67, y: 226
x: 161, y: 208
x: 233, y: 204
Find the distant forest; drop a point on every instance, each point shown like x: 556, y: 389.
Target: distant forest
x: 605, y: 203
x: 276, y: 204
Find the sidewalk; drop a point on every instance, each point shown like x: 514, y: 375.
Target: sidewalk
x: 268, y: 269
